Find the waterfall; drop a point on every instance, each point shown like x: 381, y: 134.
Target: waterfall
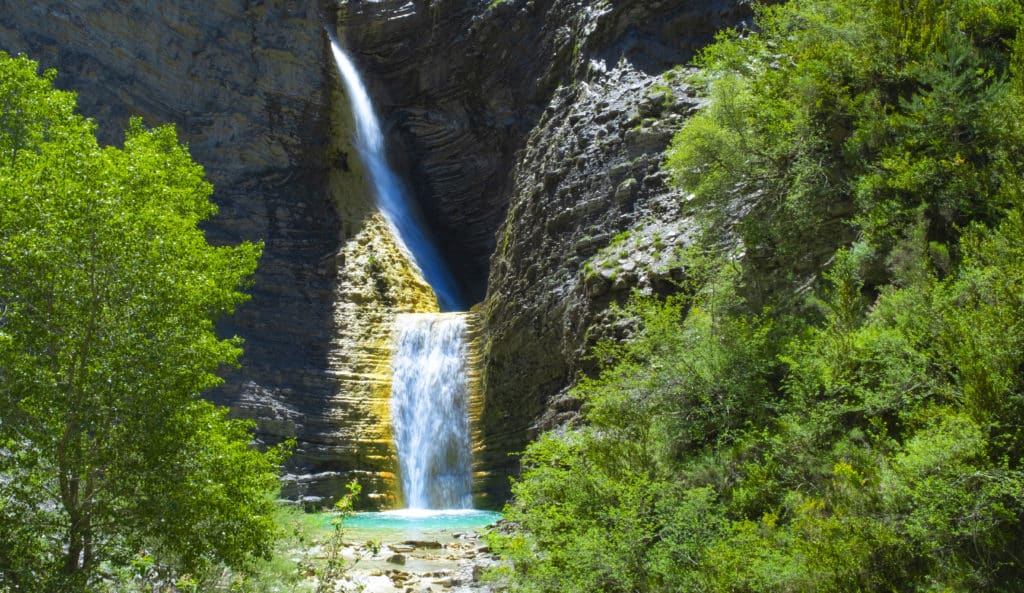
x: 429, y: 411
x: 391, y: 195
x: 429, y: 391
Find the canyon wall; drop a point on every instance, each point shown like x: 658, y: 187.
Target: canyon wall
x: 590, y: 215
x: 530, y: 132
x: 534, y: 131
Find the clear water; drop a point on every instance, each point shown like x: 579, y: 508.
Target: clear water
x: 392, y: 197
x: 429, y: 411
x: 419, y: 521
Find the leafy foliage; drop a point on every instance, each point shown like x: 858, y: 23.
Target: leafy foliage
x: 843, y: 411
x: 852, y: 120
x: 334, y: 566
x: 108, y: 295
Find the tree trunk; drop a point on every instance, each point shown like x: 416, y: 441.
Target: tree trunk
x: 73, y: 556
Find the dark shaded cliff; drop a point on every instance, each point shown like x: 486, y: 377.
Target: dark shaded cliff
x: 590, y: 215
x: 247, y: 87
x: 458, y: 93
x: 461, y: 85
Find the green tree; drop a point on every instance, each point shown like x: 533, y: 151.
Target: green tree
x: 108, y: 296
x: 854, y: 119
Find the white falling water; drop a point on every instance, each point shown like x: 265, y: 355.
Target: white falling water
x: 429, y: 411
x: 392, y: 198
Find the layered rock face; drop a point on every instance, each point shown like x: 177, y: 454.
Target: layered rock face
x: 457, y: 98
x: 591, y: 219
x: 461, y: 83
x: 530, y: 131
x: 590, y: 214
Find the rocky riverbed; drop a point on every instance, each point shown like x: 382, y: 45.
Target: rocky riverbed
x: 443, y: 561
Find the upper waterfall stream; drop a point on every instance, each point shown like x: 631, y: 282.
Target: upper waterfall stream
x: 390, y: 193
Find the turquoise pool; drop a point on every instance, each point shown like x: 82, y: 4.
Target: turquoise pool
x: 415, y: 523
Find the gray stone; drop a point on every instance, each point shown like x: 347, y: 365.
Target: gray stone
x: 626, y: 189
x: 428, y: 545
x: 538, y: 327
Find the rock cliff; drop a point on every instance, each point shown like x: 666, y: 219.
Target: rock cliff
x: 546, y: 118
x: 590, y: 216
x: 530, y: 132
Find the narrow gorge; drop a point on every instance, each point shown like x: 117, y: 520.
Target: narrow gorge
x: 525, y: 136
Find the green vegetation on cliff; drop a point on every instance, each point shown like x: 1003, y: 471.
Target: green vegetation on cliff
x: 112, y: 468
x: 835, y: 402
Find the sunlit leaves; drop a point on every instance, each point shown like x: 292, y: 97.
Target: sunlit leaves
x: 108, y: 297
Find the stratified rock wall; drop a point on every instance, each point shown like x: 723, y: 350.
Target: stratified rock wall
x: 591, y: 218
x: 590, y: 215
x: 463, y: 82
x: 456, y: 108
x: 530, y: 131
